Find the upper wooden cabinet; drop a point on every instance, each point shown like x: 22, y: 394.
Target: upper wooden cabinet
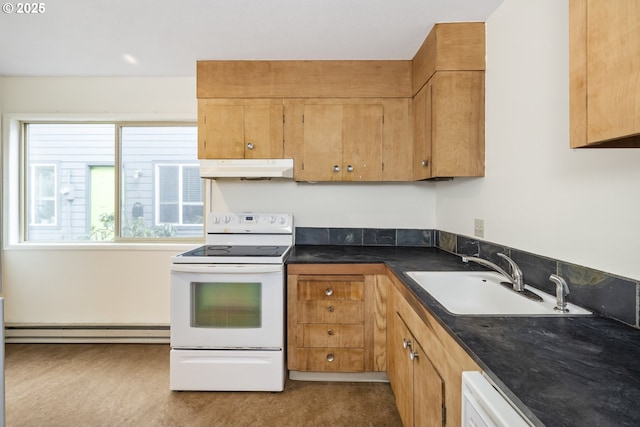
x: 449, y: 47
x: 604, y: 67
x: 397, y: 139
x: 354, y: 120
x: 448, y: 77
x: 303, y: 79
x: 449, y: 126
x: 342, y: 142
x: 240, y: 129
x: 349, y: 139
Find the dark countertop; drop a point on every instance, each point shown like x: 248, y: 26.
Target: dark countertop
x: 559, y: 371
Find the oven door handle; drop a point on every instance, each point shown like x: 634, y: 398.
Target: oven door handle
x: 227, y: 268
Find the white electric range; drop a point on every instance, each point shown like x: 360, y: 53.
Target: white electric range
x: 228, y: 304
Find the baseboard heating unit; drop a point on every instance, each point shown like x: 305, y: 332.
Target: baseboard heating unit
x: 57, y: 334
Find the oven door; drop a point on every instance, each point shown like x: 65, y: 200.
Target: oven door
x: 227, y: 306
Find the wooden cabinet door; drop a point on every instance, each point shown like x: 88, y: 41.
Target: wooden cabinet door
x: 428, y: 390
x: 322, y: 142
x: 342, y: 141
x: 457, y: 124
x: 263, y: 131
x: 238, y: 129
x: 220, y: 131
x: 362, y: 142
x: 400, y: 367
x: 422, y: 133
x: 449, y: 126
x: 417, y: 386
x: 397, y: 140
x: 613, y: 66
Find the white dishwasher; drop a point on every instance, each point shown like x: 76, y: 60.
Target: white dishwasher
x: 484, y: 406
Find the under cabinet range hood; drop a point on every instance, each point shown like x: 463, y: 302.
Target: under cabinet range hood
x: 246, y: 168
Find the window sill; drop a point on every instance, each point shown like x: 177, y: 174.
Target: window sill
x: 111, y: 246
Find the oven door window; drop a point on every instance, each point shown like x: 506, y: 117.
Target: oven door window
x: 226, y: 305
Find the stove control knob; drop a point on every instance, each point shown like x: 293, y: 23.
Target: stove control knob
x: 283, y: 220
x: 216, y: 220
x: 272, y: 219
x: 227, y: 219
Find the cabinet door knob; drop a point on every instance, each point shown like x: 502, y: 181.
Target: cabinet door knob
x: 328, y: 292
x: 330, y: 357
x: 349, y: 168
x: 413, y: 355
x: 330, y: 332
x: 425, y: 163
x: 336, y: 168
x: 250, y: 145
x: 406, y: 343
x: 330, y: 309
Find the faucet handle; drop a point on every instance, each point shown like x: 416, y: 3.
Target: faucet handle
x: 516, y: 273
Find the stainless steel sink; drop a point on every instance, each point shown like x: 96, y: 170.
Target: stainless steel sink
x: 480, y: 293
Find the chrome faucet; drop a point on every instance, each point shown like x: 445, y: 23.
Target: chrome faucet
x: 515, y: 278
x: 562, y: 290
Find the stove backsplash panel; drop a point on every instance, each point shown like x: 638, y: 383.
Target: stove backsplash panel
x: 364, y: 236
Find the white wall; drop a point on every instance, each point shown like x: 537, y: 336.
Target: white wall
x: 87, y: 284
x: 580, y: 206
x: 359, y: 205
x: 104, y: 285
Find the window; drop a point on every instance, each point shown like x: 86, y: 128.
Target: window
x: 43, y: 206
x: 112, y: 181
x: 178, y: 195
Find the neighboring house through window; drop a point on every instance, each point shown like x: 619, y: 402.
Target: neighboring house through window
x: 178, y: 195
x: 78, y: 189
x: 43, y: 203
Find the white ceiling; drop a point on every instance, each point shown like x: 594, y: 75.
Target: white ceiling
x: 167, y: 37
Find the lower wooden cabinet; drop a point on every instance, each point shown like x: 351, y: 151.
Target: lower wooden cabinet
x: 424, y: 363
x: 336, y: 318
x: 362, y: 318
x: 416, y: 384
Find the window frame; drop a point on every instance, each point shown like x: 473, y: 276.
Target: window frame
x: 18, y: 148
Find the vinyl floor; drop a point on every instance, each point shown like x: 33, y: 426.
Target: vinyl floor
x: 128, y: 385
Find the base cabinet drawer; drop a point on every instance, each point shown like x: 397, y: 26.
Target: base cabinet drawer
x: 331, y: 359
x: 331, y: 288
x: 330, y: 311
x: 332, y: 335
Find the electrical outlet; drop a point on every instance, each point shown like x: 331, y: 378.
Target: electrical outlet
x: 478, y: 227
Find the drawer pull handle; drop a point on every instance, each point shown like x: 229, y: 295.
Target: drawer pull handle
x: 406, y: 343
x: 328, y: 292
x: 413, y: 355
x: 330, y: 309
x: 330, y: 357
x: 330, y: 332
